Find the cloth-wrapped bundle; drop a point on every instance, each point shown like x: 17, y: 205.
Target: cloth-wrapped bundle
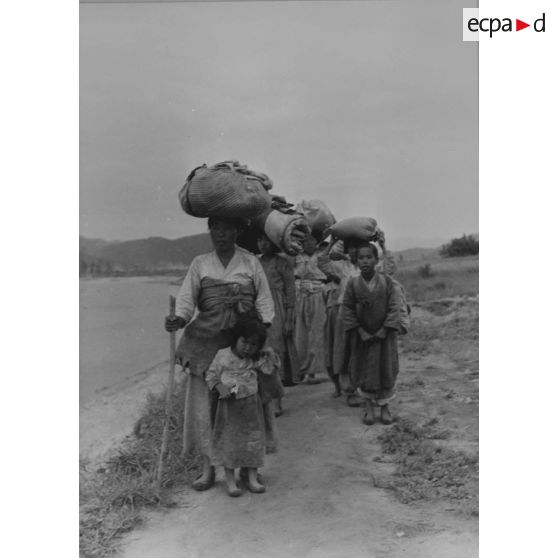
x: 317, y: 214
x: 227, y: 189
x: 287, y: 230
x: 359, y: 228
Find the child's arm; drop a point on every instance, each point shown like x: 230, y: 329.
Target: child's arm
x: 393, y: 318
x: 350, y: 318
x: 268, y: 362
x: 213, y: 378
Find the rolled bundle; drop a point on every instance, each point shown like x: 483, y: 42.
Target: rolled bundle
x: 317, y: 214
x: 286, y: 230
x: 227, y: 189
x: 359, y: 228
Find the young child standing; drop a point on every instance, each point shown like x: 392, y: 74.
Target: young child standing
x: 280, y: 276
x: 371, y: 315
x: 239, y: 432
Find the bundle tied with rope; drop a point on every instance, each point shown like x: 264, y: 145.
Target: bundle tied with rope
x: 229, y: 189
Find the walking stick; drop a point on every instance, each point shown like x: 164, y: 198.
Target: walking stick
x: 170, y: 389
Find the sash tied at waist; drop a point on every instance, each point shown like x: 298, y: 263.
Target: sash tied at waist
x: 220, y: 304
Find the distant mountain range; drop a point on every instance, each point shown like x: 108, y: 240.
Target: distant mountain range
x: 147, y: 255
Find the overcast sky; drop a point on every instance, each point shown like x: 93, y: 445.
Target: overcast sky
x: 369, y: 106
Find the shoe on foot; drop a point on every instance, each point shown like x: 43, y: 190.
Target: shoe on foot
x: 312, y: 380
x: 385, y: 415
x: 234, y: 491
x: 255, y: 487
x: 367, y: 418
x: 243, y: 476
x: 204, y: 483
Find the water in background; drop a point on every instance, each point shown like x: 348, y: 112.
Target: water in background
x: 121, y: 331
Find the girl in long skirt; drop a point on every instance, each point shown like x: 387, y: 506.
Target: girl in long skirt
x: 238, y: 438
x: 280, y: 276
x: 371, y: 316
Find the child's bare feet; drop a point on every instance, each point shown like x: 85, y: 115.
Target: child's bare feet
x: 232, y: 487
x: 253, y: 483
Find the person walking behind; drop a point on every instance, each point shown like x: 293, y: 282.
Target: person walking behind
x: 310, y: 312
x: 280, y: 276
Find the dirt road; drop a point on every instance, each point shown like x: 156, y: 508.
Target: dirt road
x: 327, y: 492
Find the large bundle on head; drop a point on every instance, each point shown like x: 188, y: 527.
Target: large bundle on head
x: 232, y: 190
x: 317, y: 214
x: 355, y: 228
x: 227, y: 189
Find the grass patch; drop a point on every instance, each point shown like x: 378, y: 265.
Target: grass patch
x: 427, y: 471
x: 439, y: 278
x: 113, y: 497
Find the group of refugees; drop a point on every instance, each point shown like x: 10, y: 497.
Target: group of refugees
x: 254, y: 324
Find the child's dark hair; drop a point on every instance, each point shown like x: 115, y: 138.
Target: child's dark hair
x: 368, y: 245
x: 247, y: 327
x: 274, y: 248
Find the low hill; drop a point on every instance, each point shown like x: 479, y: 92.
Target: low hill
x: 147, y: 254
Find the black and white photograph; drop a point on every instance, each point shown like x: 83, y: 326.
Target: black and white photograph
x: 278, y: 279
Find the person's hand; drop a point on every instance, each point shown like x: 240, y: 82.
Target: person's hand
x: 224, y: 391
x: 380, y: 334
x: 174, y: 323
x: 364, y: 335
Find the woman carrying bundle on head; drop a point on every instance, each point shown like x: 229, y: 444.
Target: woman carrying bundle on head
x: 371, y: 317
x: 310, y: 311
x: 280, y: 276
x: 338, y: 264
x: 222, y: 286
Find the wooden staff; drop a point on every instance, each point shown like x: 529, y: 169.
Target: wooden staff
x: 170, y: 389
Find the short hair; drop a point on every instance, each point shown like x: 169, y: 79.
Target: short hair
x: 236, y: 223
x: 261, y: 235
x: 368, y: 245
x: 247, y: 327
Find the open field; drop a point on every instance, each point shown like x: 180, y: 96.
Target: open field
x: 336, y: 487
x: 434, y: 278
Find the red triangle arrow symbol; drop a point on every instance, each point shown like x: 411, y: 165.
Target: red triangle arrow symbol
x: 519, y: 25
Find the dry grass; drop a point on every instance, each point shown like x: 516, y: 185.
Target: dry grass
x: 428, y: 471
x: 439, y: 278
x: 113, y: 497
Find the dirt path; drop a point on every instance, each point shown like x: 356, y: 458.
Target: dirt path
x: 324, y: 497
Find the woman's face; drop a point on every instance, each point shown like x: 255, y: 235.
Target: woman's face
x: 247, y: 346
x: 223, y: 235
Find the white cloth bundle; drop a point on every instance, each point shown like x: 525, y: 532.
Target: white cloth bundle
x: 359, y: 228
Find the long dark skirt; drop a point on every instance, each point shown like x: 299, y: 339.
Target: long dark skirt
x: 238, y: 437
